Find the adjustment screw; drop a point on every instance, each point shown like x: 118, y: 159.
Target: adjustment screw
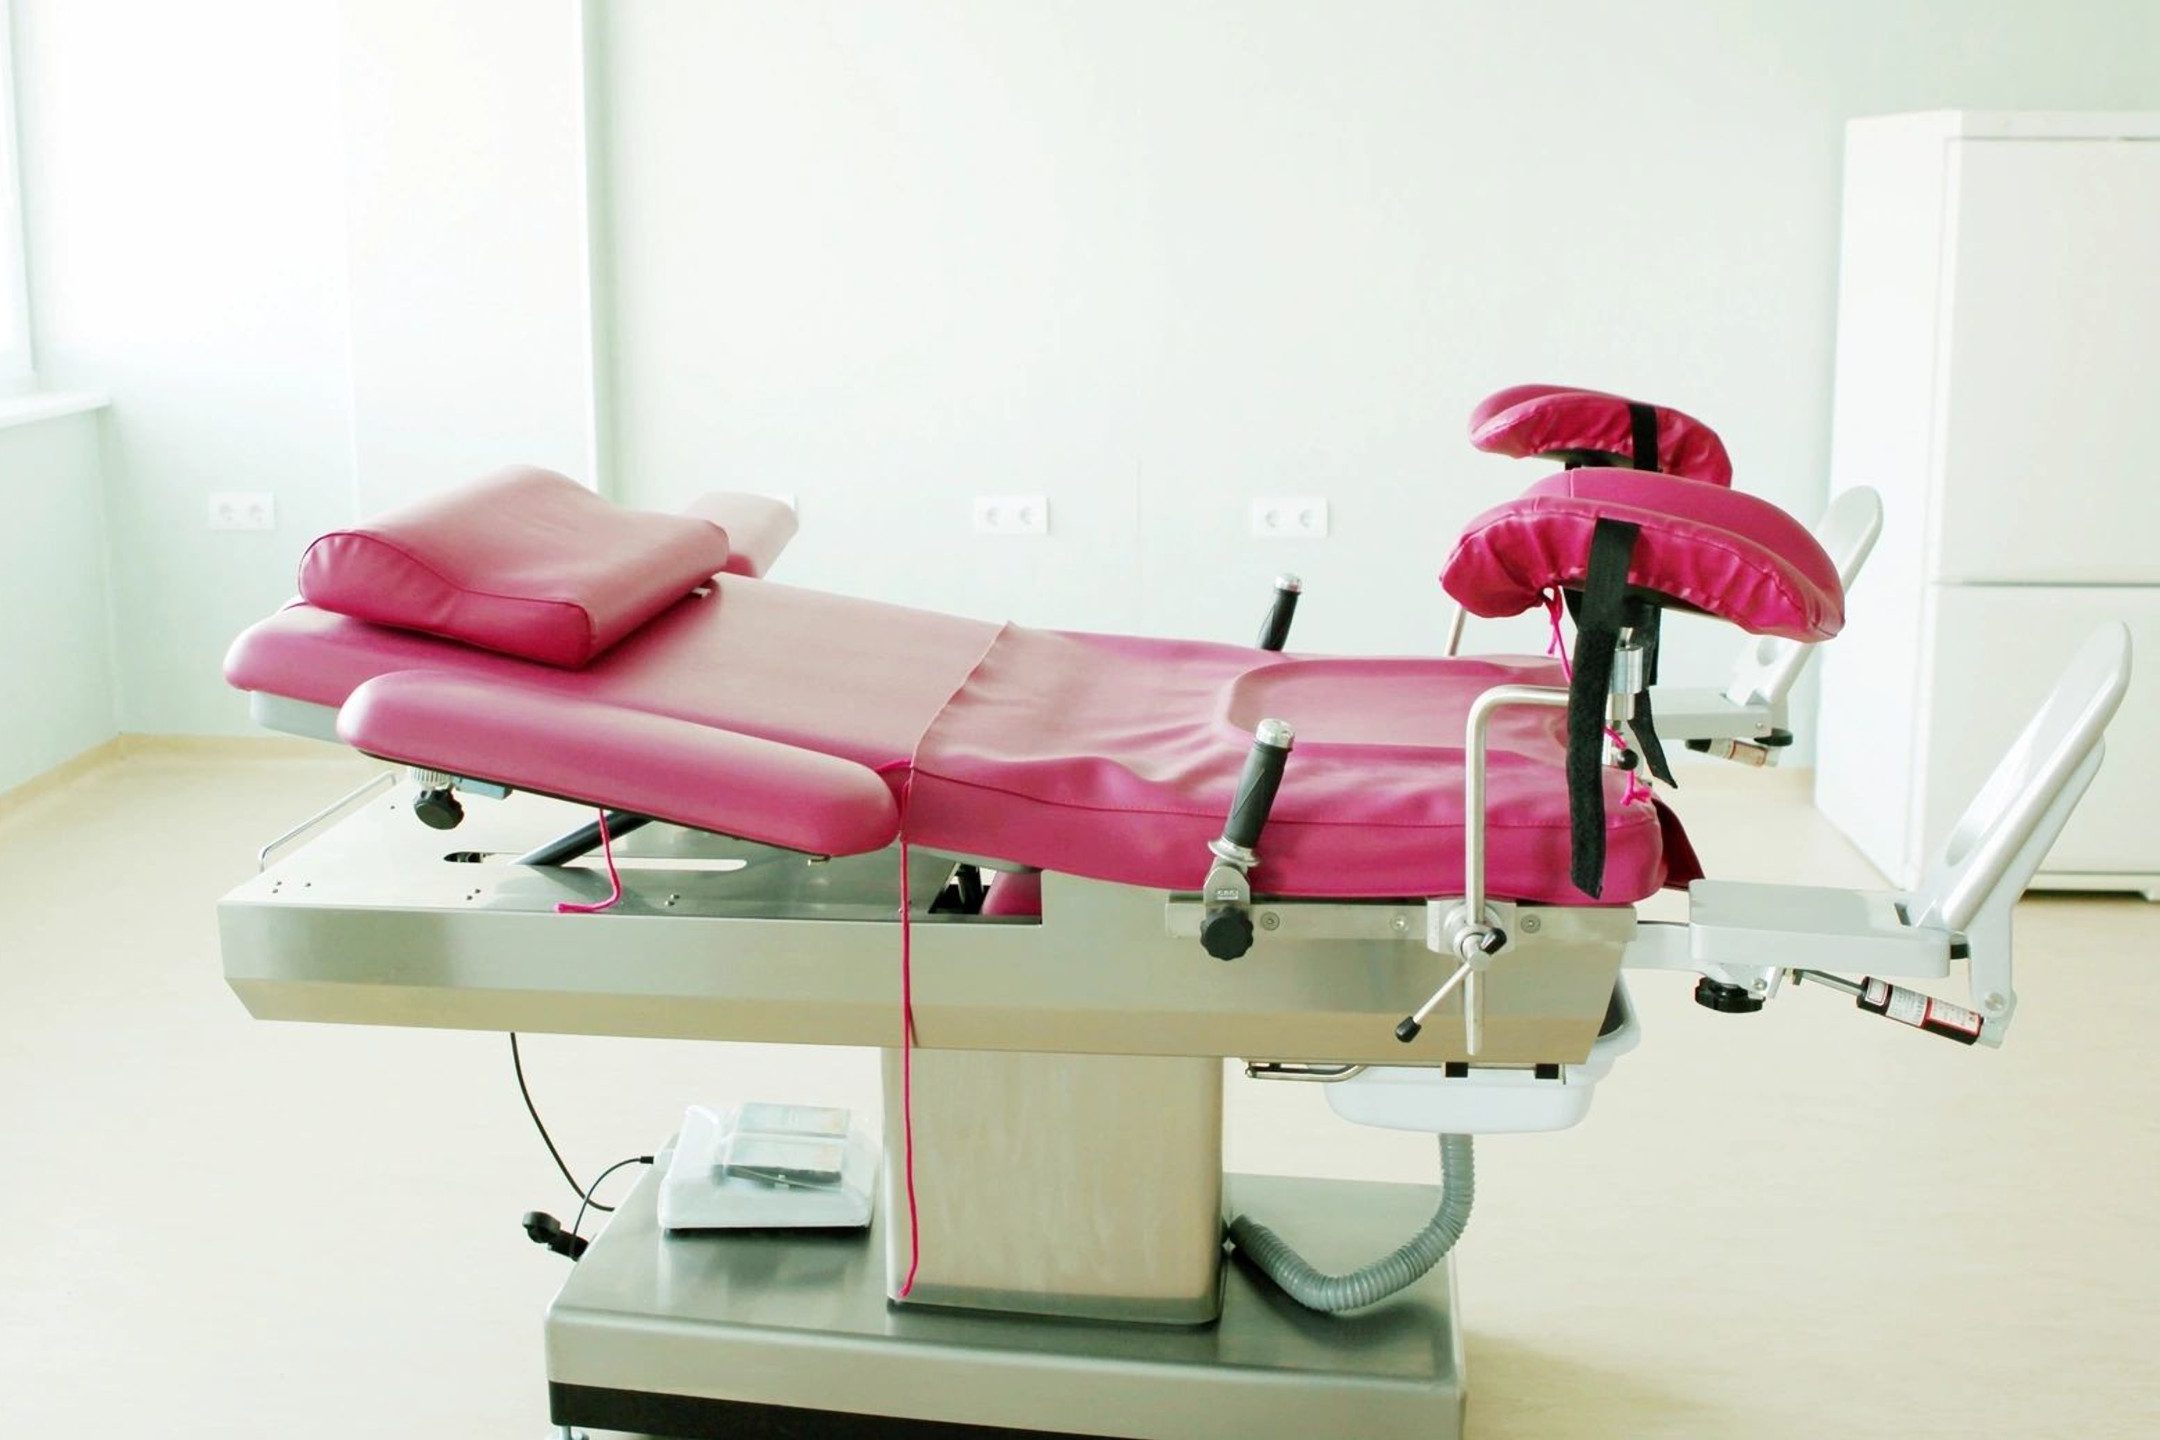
x: 1269, y: 920
x: 1400, y: 924
x: 1762, y: 987
x: 1995, y: 1002
x: 1531, y: 924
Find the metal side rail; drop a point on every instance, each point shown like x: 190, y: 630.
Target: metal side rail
x: 380, y: 920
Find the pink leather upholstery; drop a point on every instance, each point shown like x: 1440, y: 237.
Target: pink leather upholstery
x: 674, y: 770
x: 758, y: 528
x: 1094, y: 755
x: 1707, y: 547
x: 846, y: 677
x: 1551, y: 420
x: 1015, y: 894
x: 526, y: 563
x: 1116, y: 757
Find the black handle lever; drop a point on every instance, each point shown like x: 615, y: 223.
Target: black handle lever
x: 1408, y: 1028
x: 1275, y: 630
x: 1226, y: 930
x: 1257, y: 785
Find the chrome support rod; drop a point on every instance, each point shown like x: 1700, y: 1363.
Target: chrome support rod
x: 1464, y: 931
x: 1460, y: 618
x: 1481, y: 713
x: 1419, y: 1016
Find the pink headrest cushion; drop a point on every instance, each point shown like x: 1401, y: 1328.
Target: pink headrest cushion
x: 526, y: 562
x: 1526, y: 420
x: 1709, y: 548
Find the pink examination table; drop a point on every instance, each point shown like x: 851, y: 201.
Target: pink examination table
x: 641, y: 788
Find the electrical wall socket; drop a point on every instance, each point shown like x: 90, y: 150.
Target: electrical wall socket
x: 243, y: 510
x: 1290, y: 517
x: 1012, y: 515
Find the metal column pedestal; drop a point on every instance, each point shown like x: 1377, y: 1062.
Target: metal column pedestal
x: 789, y: 1334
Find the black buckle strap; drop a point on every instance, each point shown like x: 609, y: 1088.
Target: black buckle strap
x: 1597, y: 635
x: 1648, y: 619
x: 1644, y: 726
x: 1642, y: 423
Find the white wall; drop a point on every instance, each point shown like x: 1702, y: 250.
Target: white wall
x: 1147, y: 258
x: 185, y: 208
x: 1155, y: 259
x: 55, y: 623
x: 465, y: 210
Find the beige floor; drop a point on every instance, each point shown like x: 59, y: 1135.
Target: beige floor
x: 1803, y: 1223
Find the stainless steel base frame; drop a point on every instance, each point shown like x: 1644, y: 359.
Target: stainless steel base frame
x: 779, y: 1333
x: 374, y: 923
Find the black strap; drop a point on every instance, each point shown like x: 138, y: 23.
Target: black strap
x: 1644, y: 725
x: 1597, y: 634
x: 1649, y: 620
x: 1642, y: 421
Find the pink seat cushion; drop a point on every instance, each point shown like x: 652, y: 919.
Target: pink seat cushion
x: 1552, y: 420
x: 1093, y: 755
x: 1706, y: 547
x: 1116, y: 757
x: 554, y: 744
x: 526, y: 563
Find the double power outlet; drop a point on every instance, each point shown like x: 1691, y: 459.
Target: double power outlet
x: 243, y: 510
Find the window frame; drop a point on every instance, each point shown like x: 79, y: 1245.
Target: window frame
x: 18, y: 369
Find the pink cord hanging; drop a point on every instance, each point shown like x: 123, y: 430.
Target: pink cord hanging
x: 907, y: 1031
x: 607, y: 850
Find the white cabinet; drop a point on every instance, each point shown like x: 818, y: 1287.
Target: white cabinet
x: 1998, y: 367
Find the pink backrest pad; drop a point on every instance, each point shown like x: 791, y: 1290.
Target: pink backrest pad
x: 525, y: 562
x: 577, y: 749
x: 1526, y: 420
x: 1712, y: 549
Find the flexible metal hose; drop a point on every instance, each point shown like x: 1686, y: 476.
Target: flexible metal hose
x: 1375, y: 1282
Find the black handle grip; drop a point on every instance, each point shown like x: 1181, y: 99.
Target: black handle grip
x: 1257, y: 786
x: 1275, y: 630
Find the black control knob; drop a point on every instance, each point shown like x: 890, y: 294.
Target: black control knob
x: 439, y: 809
x: 1226, y: 931
x: 1725, y: 999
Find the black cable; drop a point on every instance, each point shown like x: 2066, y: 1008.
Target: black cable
x: 579, y: 1223
x: 517, y: 1064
